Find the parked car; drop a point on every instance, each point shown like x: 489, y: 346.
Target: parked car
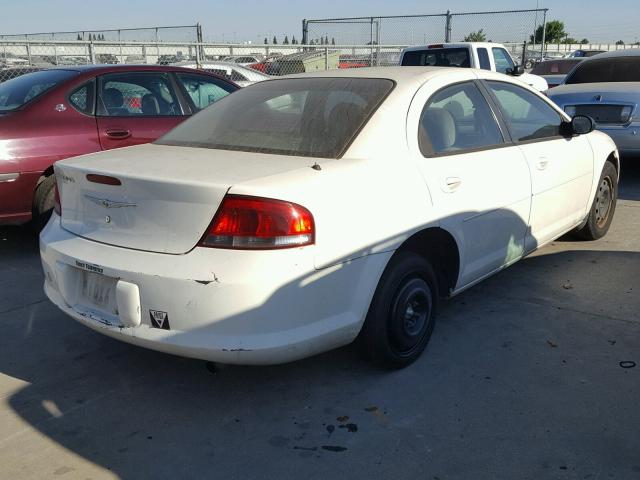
x: 607, y: 89
x: 264, y: 65
x: 243, y: 76
x: 555, y: 71
x: 244, y: 60
x: 53, y: 114
x: 584, y: 53
x: 481, y: 55
x: 304, y: 212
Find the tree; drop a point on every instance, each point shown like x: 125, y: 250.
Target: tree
x: 333, y: 40
x: 275, y: 40
x: 266, y: 42
x: 584, y: 41
x: 286, y: 40
x: 570, y: 41
x: 326, y: 40
x: 619, y: 42
x: 478, y: 36
x: 554, y: 33
x: 79, y: 37
x: 293, y: 40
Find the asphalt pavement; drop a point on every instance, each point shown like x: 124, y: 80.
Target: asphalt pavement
x: 532, y: 374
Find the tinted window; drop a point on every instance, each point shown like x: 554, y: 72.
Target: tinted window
x: 457, y: 118
x: 16, y: 92
x: 483, y: 56
x: 437, y: 57
x: 308, y: 117
x: 622, y: 69
x: 137, y: 93
x: 204, y: 90
x: 529, y: 116
x: 82, y: 99
x: 502, y: 60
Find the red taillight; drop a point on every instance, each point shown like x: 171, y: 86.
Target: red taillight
x: 436, y: 45
x: 259, y: 223
x: 56, y: 199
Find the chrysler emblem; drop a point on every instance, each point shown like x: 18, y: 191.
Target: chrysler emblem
x: 106, y: 203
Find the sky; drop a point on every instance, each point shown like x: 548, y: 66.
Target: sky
x: 248, y: 20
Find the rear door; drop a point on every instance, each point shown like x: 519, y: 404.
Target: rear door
x: 136, y: 107
x: 561, y: 166
x: 479, y: 182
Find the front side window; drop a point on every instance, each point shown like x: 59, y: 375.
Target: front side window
x: 313, y: 117
x: 455, y: 119
x: 18, y: 91
x: 137, y: 94
x: 502, y: 60
x: 529, y: 117
x: 204, y: 90
x: 623, y: 69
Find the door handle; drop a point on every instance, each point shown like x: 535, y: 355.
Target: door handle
x: 118, y: 133
x: 543, y: 162
x: 451, y: 184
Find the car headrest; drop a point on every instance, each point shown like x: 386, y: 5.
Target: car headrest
x: 150, y: 105
x: 440, y: 127
x: 112, y: 98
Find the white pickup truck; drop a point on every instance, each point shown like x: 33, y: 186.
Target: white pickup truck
x: 483, y: 55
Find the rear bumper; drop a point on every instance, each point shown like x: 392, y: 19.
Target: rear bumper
x: 225, y: 306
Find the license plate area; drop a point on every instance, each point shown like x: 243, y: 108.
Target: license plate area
x: 98, y: 292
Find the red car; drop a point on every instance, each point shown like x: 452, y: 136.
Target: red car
x: 53, y: 114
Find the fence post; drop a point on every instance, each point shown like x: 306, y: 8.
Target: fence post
x: 305, y: 31
x: 371, y: 42
x: 378, y: 42
x: 200, y: 53
x: 29, y: 52
x: 544, y: 34
x: 92, y: 53
x: 447, y: 28
x: 326, y: 58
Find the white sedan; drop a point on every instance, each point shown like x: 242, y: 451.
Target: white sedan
x: 302, y: 213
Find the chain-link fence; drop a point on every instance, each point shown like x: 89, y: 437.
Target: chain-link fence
x: 188, y: 33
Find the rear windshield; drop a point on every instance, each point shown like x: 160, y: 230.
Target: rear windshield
x: 624, y: 69
x: 16, y: 92
x: 554, y: 67
x: 313, y: 117
x: 440, y: 57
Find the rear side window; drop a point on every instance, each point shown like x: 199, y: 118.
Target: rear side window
x: 483, y: 57
x: 204, y: 90
x: 437, y: 57
x: 529, y: 117
x: 455, y: 119
x: 622, y: 69
x: 313, y: 117
x: 18, y: 91
x: 82, y: 98
x: 137, y: 94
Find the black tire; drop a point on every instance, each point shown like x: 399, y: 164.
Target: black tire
x: 43, y: 202
x: 402, y: 313
x: 603, y: 207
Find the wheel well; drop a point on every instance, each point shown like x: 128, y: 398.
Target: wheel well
x: 616, y: 162
x: 441, y: 250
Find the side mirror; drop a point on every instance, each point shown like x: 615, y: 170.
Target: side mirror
x: 516, y: 71
x: 581, y: 124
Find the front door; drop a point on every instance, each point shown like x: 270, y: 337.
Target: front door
x: 561, y: 166
x: 136, y: 107
x: 479, y: 183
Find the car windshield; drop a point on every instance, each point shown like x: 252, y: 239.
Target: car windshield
x: 437, y: 57
x: 18, y: 91
x: 314, y: 117
x: 623, y: 69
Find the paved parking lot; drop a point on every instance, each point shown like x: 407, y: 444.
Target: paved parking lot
x: 522, y: 379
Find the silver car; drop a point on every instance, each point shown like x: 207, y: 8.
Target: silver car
x: 606, y: 88
x: 242, y: 76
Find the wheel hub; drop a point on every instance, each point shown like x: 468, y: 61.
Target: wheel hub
x: 604, y: 200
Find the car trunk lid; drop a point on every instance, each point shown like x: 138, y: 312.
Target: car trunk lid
x: 152, y: 197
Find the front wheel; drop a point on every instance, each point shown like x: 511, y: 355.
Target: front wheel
x: 603, y: 207
x: 402, y: 313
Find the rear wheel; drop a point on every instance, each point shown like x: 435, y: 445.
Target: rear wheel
x: 402, y: 314
x: 43, y: 202
x: 603, y: 207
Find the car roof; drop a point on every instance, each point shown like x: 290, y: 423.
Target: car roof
x: 117, y: 68
x: 629, y: 52
x: 456, y: 45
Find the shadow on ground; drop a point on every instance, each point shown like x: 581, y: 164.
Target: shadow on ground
x: 521, y: 380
